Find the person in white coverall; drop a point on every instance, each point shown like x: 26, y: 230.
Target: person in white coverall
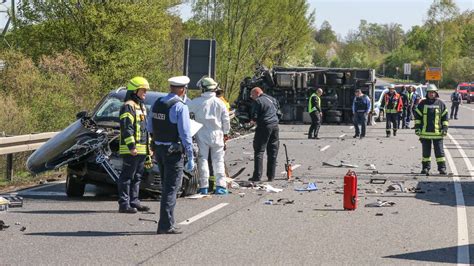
x: 212, y: 113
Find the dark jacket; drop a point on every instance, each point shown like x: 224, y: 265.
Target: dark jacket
x: 133, y: 133
x: 431, y: 118
x: 265, y: 110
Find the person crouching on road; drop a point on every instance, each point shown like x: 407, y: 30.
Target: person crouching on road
x: 360, y: 109
x: 393, y: 106
x: 171, y: 127
x: 265, y: 110
x: 431, y: 125
x: 134, y: 145
x: 315, y: 112
x: 212, y: 113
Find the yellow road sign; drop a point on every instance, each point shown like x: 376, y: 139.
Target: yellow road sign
x: 433, y: 73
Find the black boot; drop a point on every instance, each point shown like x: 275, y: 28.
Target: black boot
x: 316, y: 132
x: 394, y: 132
x: 388, y: 133
x: 442, y: 168
x: 425, y: 168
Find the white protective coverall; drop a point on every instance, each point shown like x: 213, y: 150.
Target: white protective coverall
x: 212, y: 113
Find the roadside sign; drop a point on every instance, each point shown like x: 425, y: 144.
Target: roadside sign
x: 433, y: 73
x: 407, y: 69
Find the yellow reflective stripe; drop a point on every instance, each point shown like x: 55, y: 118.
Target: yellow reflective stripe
x: 440, y: 159
x: 426, y: 159
x: 432, y: 133
x: 445, y: 112
x: 445, y: 123
x: 417, y: 121
x: 431, y: 137
x: 436, y: 122
x: 127, y: 115
x: 129, y: 140
x: 418, y: 112
x: 391, y: 111
x: 141, y: 149
x: 425, y: 118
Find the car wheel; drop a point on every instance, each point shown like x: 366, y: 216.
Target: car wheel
x: 74, y: 187
x: 190, y: 183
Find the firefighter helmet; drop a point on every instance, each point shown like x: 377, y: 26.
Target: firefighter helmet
x: 431, y: 87
x: 207, y: 84
x: 138, y: 83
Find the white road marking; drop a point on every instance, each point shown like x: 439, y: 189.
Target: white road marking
x: 325, y: 148
x: 203, y: 214
x: 341, y: 136
x: 467, y: 107
x: 293, y: 167
x: 352, y: 127
x: 464, y: 156
x: 463, y: 233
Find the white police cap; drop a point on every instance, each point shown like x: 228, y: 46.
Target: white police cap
x: 179, y: 81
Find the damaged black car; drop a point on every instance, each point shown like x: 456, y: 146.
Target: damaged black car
x: 90, y: 149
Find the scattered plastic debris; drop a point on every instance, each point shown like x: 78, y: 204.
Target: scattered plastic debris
x: 380, y: 203
x: 378, y: 181
x: 15, y: 201
x: 146, y: 220
x: 396, y: 187
x: 242, y: 194
x: 341, y: 164
x: 268, y: 202
x: 23, y: 229
x: 285, y: 201
x: 379, y: 214
x: 372, y: 167
x: 198, y: 196
x: 269, y: 188
x: 310, y: 187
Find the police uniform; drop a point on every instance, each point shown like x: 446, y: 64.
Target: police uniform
x: 455, y: 101
x: 403, y: 115
x: 314, y: 110
x: 360, y: 108
x: 410, y: 107
x: 170, y: 124
x: 431, y: 125
x: 265, y: 112
x: 393, y: 106
x: 133, y: 135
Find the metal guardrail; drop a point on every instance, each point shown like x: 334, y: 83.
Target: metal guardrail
x: 16, y: 144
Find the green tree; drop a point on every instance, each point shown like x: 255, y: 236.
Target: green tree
x: 118, y: 39
x: 325, y: 34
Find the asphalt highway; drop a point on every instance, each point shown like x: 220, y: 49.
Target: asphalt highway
x: 433, y: 223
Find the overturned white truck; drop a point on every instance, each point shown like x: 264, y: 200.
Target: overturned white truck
x: 291, y: 87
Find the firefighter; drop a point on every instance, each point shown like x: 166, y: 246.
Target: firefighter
x: 171, y: 127
x: 431, y: 125
x: 212, y: 113
x: 360, y: 110
x: 393, y: 106
x: 220, y: 95
x: 265, y: 113
x: 315, y: 112
x: 456, y: 100
x: 403, y: 115
x: 134, y: 145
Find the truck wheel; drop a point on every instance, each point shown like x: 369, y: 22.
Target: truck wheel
x: 74, y: 187
x: 333, y: 113
x: 334, y: 119
x: 190, y: 183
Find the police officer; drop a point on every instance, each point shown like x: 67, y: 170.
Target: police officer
x: 431, y: 122
x: 264, y: 113
x: 315, y: 112
x: 134, y: 145
x: 212, y: 113
x: 411, y: 95
x: 456, y: 100
x: 360, y: 110
x: 170, y: 124
x: 393, y: 106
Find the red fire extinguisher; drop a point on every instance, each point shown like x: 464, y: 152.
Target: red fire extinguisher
x: 350, y: 191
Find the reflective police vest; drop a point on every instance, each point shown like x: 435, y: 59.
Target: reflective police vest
x: 312, y: 108
x: 393, y: 104
x: 410, y: 98
x: 163, y: 129
x: 133, y: 132
x: 430, y: 117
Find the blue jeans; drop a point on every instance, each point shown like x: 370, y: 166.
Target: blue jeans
x: 360, y: 119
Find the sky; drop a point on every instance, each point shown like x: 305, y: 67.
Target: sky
x: 345, y: 15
